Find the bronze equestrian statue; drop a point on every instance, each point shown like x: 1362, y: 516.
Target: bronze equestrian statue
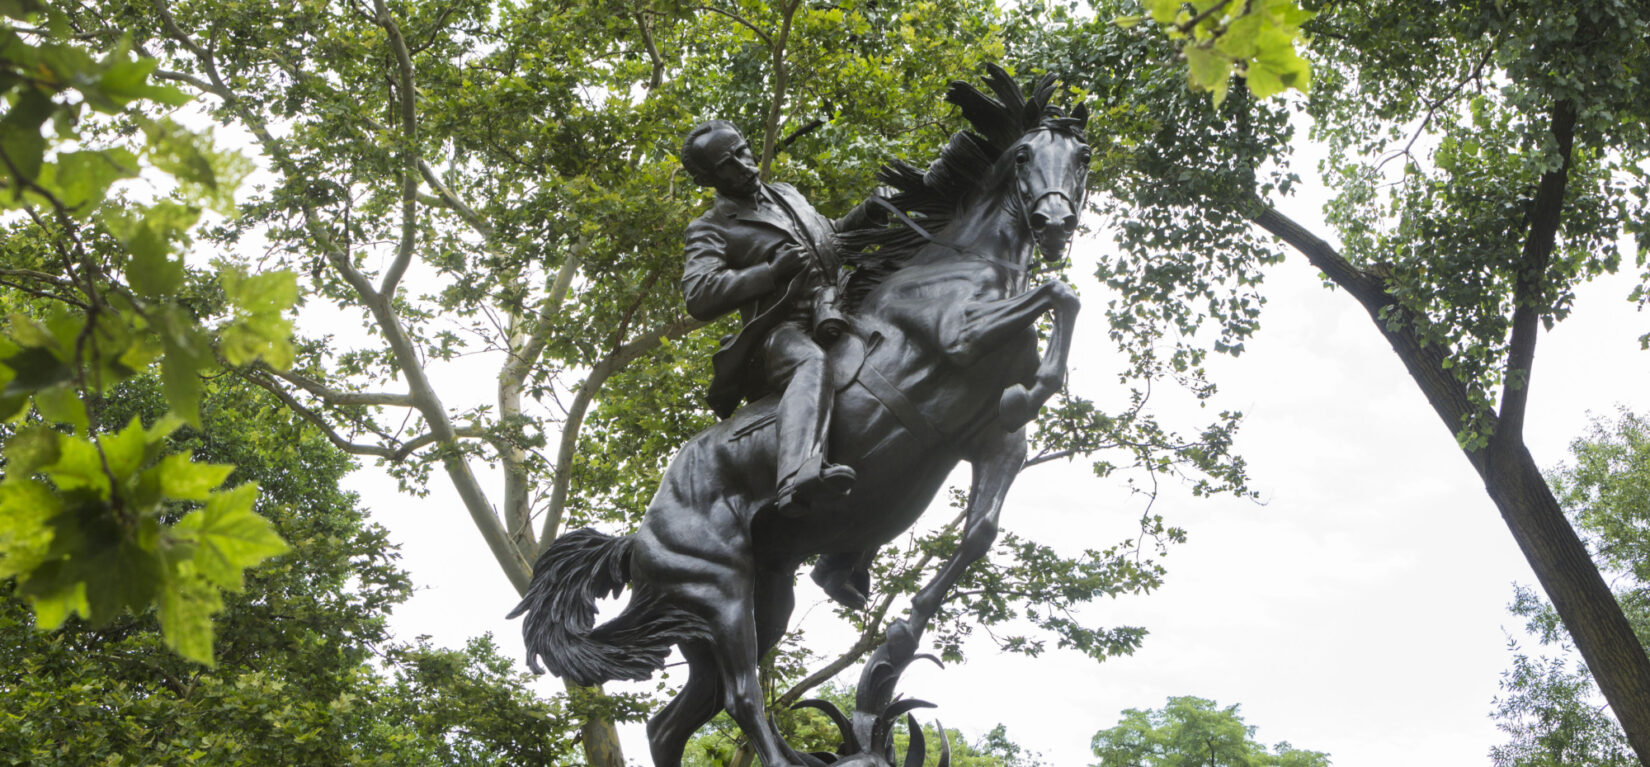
x: 940, y: 364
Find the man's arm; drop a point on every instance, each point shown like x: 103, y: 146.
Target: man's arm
x: 713, y: 288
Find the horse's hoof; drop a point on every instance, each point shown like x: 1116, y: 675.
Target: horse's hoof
x: 1016, y: 408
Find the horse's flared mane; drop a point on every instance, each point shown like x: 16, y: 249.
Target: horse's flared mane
x: 931, y: 197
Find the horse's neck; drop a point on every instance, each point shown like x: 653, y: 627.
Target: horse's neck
x: 987, y: 225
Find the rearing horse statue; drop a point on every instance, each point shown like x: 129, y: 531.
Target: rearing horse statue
x: 941, y: 365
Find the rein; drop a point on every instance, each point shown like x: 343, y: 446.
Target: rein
x: 883, y: 203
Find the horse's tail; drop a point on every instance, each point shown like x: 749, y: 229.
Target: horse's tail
x: 577, y: 569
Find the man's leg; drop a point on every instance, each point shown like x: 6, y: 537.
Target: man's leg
x: 799, y: 368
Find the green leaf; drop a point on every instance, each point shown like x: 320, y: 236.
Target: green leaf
x: 259, y: 330
x: 185, y: 480
x: 229, y: 536
x: 1163, y: 11
x: 78, y: 467
x: 83, y: 177
x: 180, y: 152
x: 53, y: 608
x: 20, y: 138
x: 1206, y: 67
x: 153, y: 272
x: 35, y: 368
x: 187, y: 605
x: 125, y: 451
x: 188, y: 352
x: 31, y: 448
x: 62, y: 404
x: 25, y: 507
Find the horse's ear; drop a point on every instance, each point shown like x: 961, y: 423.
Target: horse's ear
x: 1081, y: 114
x: 1033, y: 112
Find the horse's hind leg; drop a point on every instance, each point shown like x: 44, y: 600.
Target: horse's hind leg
x: 737, y: 652
x: 669, y: 730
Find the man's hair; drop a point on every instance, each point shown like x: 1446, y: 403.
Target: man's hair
x: 701, y: 175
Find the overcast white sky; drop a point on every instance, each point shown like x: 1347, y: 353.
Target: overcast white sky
x: 1358, y: 610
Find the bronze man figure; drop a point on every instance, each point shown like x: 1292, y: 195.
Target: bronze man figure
x: 763, y: 251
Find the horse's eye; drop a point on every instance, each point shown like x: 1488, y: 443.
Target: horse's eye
x: 1084, y: 155
x: 1023, y: 156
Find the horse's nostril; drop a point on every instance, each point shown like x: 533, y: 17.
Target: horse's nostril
x: 1069, y: 223
x: 1038, y: 221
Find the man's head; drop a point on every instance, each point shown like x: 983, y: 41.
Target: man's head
x: 714, y: 154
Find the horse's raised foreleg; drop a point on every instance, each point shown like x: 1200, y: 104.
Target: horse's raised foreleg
x: 1020, y: 403
x: 974, y: 329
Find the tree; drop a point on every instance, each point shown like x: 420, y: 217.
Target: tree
x: 1486, y: 158
x: 1549, y: 706
x: 497, y: 181
x: 1192, y: 732
x: 306, y: 671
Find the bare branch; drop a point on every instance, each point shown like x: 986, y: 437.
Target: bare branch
x: 409, y: 158
x: 768, y: 41
x: 599, y: 374
x: 314, y: 418
x: 341, y: 398
x: 428, y: 438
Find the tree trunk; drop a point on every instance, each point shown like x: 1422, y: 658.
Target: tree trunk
x: 1572, y: 581
x: 601, y: 743
x: 1514, y: 482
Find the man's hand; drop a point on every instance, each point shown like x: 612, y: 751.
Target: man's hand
x: 789, y: 261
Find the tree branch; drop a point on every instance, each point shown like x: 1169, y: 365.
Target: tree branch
x: 525, y: 350
x: 451, y: 200
x: 658, y: 76
x: 422, y: 394
x: 781, y: 80
x: 428, y: 438
x: 603, y: 370
x: 314, y: 418
x: 1532, y: 276
x: 340, y: 398
x: 768, y: 41
x: 409, y: 155
x: 1425, y: 361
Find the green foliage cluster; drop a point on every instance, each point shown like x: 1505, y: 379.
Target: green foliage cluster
x: 1442, y: 126
x: 1549, y: 706
x: 1251, y: 39
x: 98, y: 291
x: 718, y: 745
x: 1193, y: 732
x: 306, y: 672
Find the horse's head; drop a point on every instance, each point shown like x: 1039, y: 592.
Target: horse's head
x: 1033, y: 143
x: 1051, y: 167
